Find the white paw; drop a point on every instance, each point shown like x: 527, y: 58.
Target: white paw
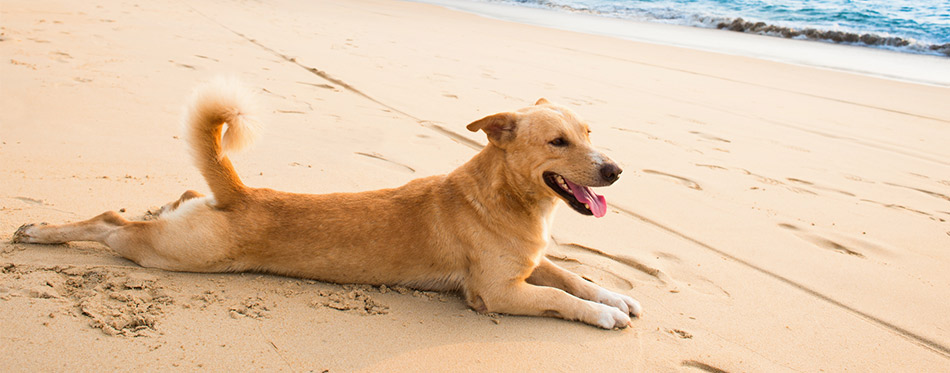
x: 611, y: 317
x: 622, y: 302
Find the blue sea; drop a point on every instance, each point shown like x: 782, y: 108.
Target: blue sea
x: 921, y: 26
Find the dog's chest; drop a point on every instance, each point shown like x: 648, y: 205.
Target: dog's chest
x: 547, y: 220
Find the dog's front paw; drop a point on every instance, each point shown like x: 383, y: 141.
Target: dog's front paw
x: 622, y: 302
x: 22, y: 234
x: 610, y: 317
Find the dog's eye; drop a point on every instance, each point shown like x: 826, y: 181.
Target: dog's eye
x: 558, y: 142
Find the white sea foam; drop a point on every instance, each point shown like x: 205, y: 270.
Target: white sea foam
x: 925, y: 22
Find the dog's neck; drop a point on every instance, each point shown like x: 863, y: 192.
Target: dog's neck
x: 497, y: 187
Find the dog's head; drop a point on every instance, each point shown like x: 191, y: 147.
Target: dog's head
x: 550, y: 146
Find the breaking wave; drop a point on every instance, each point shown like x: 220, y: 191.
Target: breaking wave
x: 921, y: 27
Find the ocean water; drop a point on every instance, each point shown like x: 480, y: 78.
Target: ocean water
x: 912, y: 26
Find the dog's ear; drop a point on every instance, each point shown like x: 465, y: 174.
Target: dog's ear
x: 500, y: 127
x: 542, y: 101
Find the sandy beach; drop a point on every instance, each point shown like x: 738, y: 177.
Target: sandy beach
x: 771, y: 217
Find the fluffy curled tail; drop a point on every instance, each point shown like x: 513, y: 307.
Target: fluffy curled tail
x: 214, y: 105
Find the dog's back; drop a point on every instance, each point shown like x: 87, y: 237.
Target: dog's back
x: 397, y: 236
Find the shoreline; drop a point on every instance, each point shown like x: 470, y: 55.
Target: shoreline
x: 908, y: 67
x: 754, y: 25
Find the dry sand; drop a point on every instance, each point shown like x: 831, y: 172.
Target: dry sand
x: 771, y: 217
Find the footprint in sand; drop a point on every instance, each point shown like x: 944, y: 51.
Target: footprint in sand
x: 702, y: 366
x: 687, y: 119
x: 857, y: 178
x: 800, y: 186
x: 682, y: 180
x: 667, y: 270
x: 187, y: 66
x: 612, y: 271
x: 760, y: 178
x: 711, y: 166
x: 924, y: 191
x: 207, y: 58
x: 820, y: 187
x: 452, y: 135
x: 320, y: 85
x: 688, y: 276
x: 32, y: 201
x: 841, y: 243
x: 61, y: 56
x: 821, y: 242
x: 388, y: 162
x: 652, y: 137
x: 707, y: 136
x: 592, y: 273
x: 901, y: 208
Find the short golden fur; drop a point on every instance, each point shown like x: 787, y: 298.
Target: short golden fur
x: 481, y: 230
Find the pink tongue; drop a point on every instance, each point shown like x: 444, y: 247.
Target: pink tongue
x: 597, y: 203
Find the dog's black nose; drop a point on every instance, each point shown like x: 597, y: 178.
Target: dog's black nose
x: 610, y: 172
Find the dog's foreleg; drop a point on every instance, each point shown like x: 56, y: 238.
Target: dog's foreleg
x: 549, y: 274
x: 521, y: 298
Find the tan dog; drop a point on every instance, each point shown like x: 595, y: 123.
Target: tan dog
x: 481, y: 229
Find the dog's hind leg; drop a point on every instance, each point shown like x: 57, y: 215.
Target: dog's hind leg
x: 95, y: 229
x: 171, y: 206
x: 192, y: 238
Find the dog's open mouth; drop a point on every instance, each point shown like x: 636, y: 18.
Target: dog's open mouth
x: 581, y: 198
